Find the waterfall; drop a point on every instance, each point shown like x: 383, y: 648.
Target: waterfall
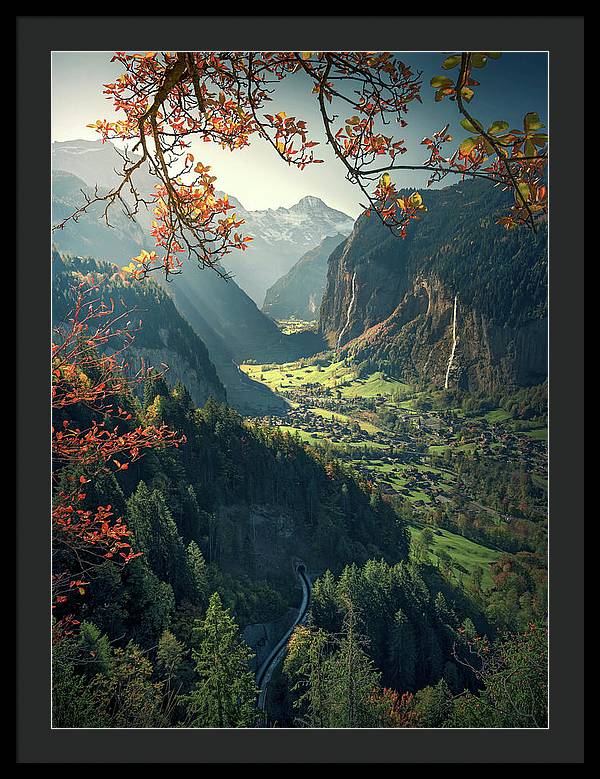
x: 453, y: 350
x: 349, y: 311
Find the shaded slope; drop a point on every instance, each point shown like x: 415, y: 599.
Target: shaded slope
x: 299, y: 293
x: 165, y: 339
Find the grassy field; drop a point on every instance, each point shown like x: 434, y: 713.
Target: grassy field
x: 308, y: 438
x: 540, y: 433
x: 466, y: 555
x: 326, y: 414
x: 292, y: 376
x: 395, y: 474
x: 316, y: 439
x: 375, y: 384
x: 335, y: 376
x: 293, y: 325
x: 497, y: 415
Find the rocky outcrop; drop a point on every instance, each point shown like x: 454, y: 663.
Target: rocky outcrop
x: 399, y: 310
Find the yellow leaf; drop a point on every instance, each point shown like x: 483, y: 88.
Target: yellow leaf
x: 385, y: 180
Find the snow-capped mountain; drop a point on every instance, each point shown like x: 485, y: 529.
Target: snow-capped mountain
x: 221, y: 313
x: 281, y: 237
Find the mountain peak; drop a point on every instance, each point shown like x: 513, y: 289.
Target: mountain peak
x: 310, y: 201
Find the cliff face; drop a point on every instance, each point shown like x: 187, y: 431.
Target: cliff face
x: 392, y: 301
x: 300, y: 291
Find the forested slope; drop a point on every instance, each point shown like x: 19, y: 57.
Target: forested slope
x: 392, y: 300
x: 164, y: 338
x: 224, y: 513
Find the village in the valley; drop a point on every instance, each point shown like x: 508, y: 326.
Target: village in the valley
x: 407, y: 450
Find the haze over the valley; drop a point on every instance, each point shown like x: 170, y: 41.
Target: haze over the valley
x: 255, y: 175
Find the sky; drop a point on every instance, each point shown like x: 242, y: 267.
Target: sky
x: 510, y: 87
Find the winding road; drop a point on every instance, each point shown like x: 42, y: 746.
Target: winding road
x: 265, y: 672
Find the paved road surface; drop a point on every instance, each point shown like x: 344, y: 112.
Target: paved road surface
x: 265, y: 672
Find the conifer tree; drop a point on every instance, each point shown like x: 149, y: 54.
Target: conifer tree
x: 434, y: 704
x: 353, y: 679
x: 156, y: 536
x: 153, y: 386
x: 197, y: 571
x: 224, y: 695
x: 402, y: 653
x: 307, y: 661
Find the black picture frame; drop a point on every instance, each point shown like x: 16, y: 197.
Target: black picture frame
x: 562, y: 37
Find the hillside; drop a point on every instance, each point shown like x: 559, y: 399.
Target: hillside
x: 165, y: 338
x: 392, y: 301
x: 299, y: 293
x: 234, y: 330
x: 219, y: 311
x: 90, y: 236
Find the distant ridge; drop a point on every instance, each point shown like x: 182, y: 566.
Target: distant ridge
x: 221, y: 313
x: 299, y: 293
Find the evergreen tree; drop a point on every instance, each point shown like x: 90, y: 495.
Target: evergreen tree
x: 128, y: 696
x: 171, y: 665
x: 433, y: 704
x: 197, y: 571
x: 151, y: 603
x: 169, y: 655
x: 325, y: 605
x: 153, y: 386
x: 224, y: 695
x: 307, y: 662
x: 402, y: 653
x: 353, y: 679
x: 156, y: 536
x: 73, y: 704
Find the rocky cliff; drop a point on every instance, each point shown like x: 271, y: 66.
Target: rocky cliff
x: 392, y: 301
x: 299, y: 293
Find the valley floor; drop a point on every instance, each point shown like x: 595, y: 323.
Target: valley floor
x: 414, y: 463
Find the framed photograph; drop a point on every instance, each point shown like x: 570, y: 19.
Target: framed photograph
x: 300, y: 389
